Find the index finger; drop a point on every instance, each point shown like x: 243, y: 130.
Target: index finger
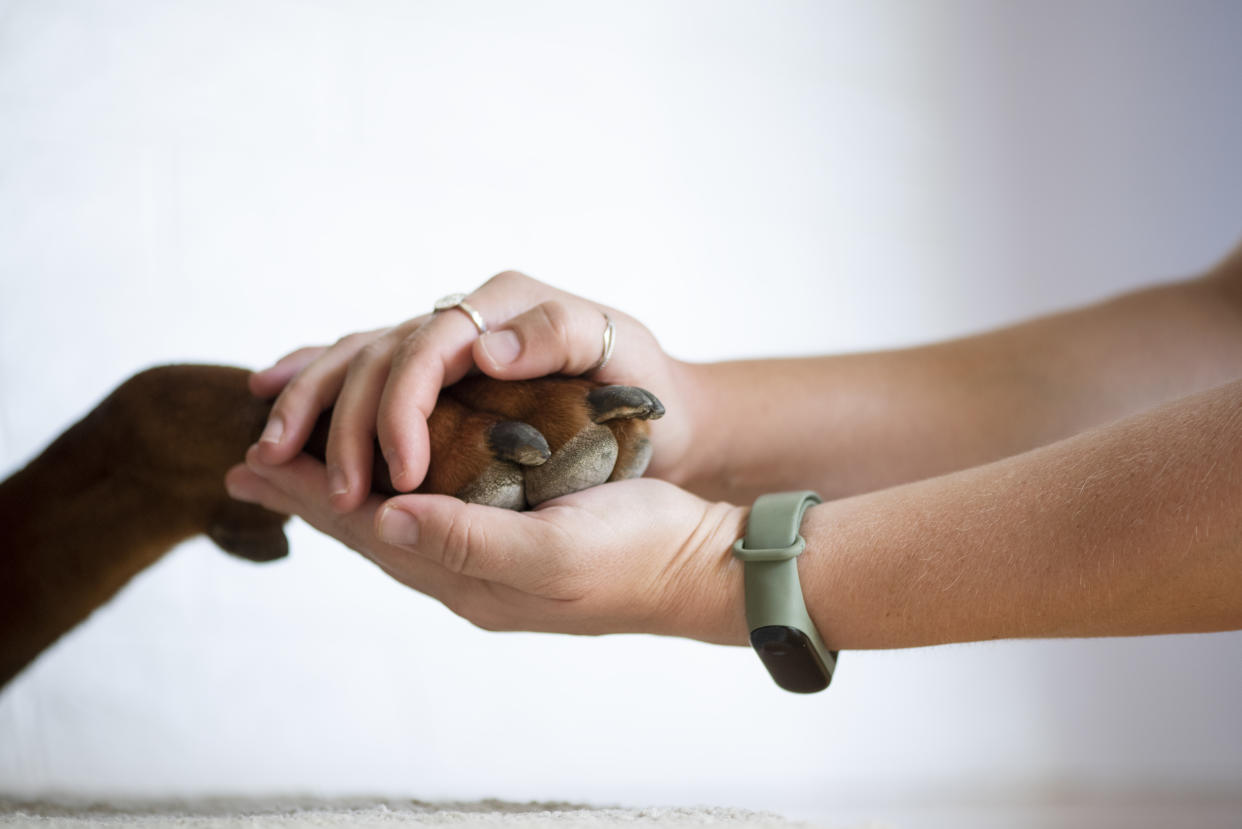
x: 430, y: 357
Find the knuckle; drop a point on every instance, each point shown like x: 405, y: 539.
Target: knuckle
x: 407, y: 349
x: 554, y: 315
x: 400, y: 423
x: 508, y: 279
x: 345, y: 443
x: 373, y: 352
x: 398, y: 332
x: 351, y: 342
x: 296, y: 397
x: 341, y: 427
x: 303, y: 352
x: 459, y: 538
x: 388, y: 423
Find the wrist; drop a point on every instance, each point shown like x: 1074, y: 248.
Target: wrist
x: 709, y: 601
x: 730, y: 614
x: 701, y: 458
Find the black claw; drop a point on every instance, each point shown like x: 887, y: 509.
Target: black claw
x: 512, y: 440
x: 612, y: 402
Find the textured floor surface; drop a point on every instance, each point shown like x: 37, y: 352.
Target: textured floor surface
x: 295, y: 812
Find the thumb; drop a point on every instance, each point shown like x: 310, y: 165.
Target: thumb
x: 551, y: 338
x: 520, y: 550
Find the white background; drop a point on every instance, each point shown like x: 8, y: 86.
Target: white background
x: 224, y: 181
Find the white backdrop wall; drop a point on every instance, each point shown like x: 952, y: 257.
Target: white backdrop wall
x: 224, y: 181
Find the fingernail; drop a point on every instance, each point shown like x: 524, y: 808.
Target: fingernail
x: 502, y: 346
x: 272, y: 431
x: 235, y: 492
x: 338, y: 484
x: 398, y: 527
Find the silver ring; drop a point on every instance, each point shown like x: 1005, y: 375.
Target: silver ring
x: 610, y: 340
x: 458, y: 301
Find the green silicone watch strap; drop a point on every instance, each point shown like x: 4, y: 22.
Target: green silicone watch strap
x: 781, y: 629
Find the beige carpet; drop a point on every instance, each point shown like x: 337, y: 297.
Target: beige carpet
x: 305, y: 812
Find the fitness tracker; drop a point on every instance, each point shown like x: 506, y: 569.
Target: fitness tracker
x: 781, y: 630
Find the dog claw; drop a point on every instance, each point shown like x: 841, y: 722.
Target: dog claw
x: 613, y: 402
x: 512, y: 440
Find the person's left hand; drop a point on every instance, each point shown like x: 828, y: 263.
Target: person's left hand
x: 638, y: 556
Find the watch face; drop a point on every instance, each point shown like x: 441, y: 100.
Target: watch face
x: 446, y: 302
x: 791, y: 658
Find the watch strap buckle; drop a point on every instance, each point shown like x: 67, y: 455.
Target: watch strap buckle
x: 744, y: 553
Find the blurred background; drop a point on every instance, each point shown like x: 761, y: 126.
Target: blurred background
x: 226, y: 181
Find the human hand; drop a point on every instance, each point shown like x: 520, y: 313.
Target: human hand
x: 384, y: 383
x: 640, y: 556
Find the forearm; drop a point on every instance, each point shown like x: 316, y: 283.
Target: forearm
x: 1133, y: 528
x: 856, y: 423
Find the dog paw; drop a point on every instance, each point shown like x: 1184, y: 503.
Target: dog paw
x: 516, y: 444
x: 248, y: 531
x: 162, y: 442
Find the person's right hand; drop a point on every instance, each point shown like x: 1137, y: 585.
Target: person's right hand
x: 384, y: 383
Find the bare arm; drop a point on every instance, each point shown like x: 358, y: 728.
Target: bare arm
x: 844, y: 424
x: 1133, y: 528
x: 856, y: 423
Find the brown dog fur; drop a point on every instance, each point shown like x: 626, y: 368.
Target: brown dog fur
x: 144, y: 471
